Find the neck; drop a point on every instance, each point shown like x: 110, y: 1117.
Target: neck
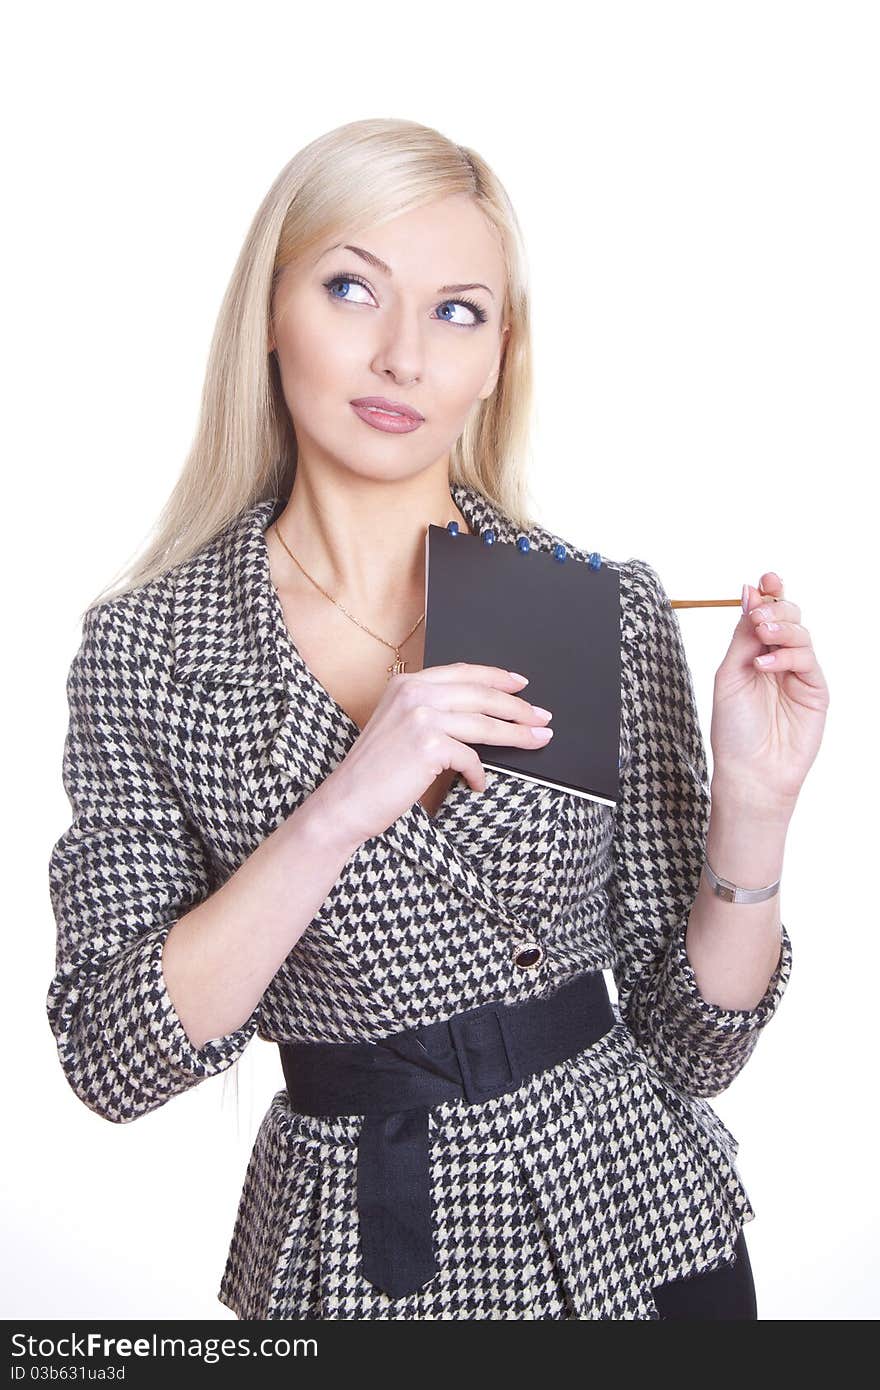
x: 363, y: 540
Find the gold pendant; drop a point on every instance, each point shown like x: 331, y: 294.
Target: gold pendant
x: 399, y: 666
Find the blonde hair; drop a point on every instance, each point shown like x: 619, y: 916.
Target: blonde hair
x: 244, y: 450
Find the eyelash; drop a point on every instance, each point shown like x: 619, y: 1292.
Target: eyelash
x: 480, y: 313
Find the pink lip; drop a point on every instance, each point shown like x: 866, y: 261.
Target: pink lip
x: 391, y: 416
x: 399, y: 407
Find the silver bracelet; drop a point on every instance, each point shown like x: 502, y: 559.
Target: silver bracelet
x: 732, y: 894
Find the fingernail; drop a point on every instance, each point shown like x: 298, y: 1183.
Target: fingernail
x: 517, y: 677
x: 745, y: 598
x: 538, y: 709
x: 540, y: 731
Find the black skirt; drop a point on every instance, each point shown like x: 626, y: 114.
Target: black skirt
x: 727, y: 1292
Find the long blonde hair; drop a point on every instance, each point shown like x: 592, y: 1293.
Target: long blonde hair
x: 244, y: 449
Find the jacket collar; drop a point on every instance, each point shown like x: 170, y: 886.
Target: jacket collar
x: 223, y: 599
x: 230, y: 631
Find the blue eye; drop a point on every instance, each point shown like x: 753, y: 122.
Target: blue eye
x: 341, y: 280
x: 479, y: 313
x: 481, y: 316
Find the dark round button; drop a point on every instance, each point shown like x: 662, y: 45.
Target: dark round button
x: 527, y: 955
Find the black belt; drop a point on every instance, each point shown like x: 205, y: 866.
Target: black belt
x: 478, y: 1054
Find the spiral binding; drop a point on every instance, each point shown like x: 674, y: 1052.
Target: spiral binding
x: 523, y: 544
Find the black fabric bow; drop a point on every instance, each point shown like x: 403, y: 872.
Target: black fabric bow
x: 475, y: 1055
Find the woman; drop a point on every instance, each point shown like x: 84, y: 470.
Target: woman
x: 272, y: 835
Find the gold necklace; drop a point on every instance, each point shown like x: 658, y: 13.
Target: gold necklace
x: 399, y: 665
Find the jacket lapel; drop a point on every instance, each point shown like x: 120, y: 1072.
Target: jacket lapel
x: 233, y: 648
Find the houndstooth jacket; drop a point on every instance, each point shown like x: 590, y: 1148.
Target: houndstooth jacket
x: 195, y: 728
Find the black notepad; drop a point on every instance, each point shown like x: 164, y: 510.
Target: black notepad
x: 557, y: 622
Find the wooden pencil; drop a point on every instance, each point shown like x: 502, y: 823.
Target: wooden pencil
x: 712, y: 602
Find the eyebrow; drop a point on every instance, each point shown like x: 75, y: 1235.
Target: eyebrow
x: 380, y: 265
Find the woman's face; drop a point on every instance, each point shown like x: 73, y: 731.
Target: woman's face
x: 426, y: 332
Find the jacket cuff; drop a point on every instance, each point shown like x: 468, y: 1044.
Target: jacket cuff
x: 678, y: 995
x: 136, y: 989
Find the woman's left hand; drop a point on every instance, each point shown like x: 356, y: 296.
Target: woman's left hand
x: 767, y: 717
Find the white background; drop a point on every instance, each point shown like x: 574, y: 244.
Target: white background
x: 697, y: 184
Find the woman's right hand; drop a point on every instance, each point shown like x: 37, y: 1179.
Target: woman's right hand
x: 423, y: 724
